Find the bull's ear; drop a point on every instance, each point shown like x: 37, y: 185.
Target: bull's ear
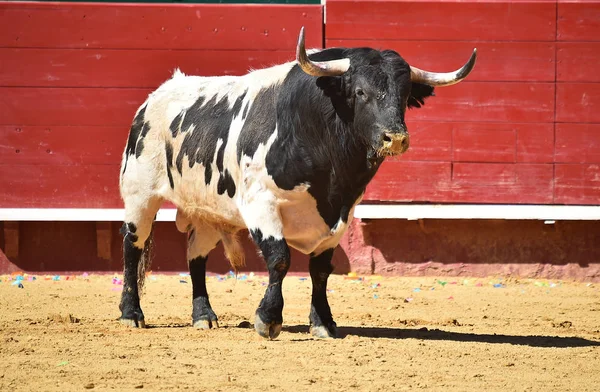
x: 331, y: 85
x: 418, y: 94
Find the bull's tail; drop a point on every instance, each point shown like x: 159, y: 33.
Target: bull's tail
x: 234, y: 251
x: 145, y: 262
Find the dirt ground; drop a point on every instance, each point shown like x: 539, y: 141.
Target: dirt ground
x: 396, y: 334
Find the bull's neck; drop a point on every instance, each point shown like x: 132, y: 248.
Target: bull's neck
x: 314, y: 146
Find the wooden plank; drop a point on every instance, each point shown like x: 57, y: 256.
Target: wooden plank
x: 462, y: 182
x: 535, y: 143
x: 578, y: 102
x: 60, y: 186
x: 158, y: 26
x: 473, y: 142
x: 104, y: 235
x: 502, y: 183
x: 577, y: 143
x: 578, y: 21
x: 490, y: 102
x: 62, y: 145
x: 11, y: 239
x: 577, y: 184
x: 445, y: 21
x: 35, y: 67
x: 484, y: 174
x: 70, y: 106
x: 496, y: 61
x: 411, y: 181
x: 578, y: 61
x: 503, y: 142
x: 480, y: 142
x: 475, y: 101
x: 429, y: 141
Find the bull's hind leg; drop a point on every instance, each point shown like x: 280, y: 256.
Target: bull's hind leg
x: 276, y: 252
x: 201, y: 240
x: 321, y: 320
x: 139, y: 216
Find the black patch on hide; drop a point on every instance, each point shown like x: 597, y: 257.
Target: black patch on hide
x: 259, y: 124
x: 203, y: 125
x: 226, y: 183
x: 169, y: 154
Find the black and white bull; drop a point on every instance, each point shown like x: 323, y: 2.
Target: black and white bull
x: 285, y: 152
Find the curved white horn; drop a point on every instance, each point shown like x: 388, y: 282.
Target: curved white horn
x: 319, y: 68
x: 440, y: 79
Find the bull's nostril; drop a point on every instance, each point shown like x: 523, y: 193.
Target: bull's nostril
x: 387, y: 139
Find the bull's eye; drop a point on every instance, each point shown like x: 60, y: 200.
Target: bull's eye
x: 360, y: 93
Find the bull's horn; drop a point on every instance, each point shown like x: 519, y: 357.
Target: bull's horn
x: 319, y: 68
x: 440, y: 79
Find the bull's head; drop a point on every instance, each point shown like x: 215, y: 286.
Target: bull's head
x: 371, y: 90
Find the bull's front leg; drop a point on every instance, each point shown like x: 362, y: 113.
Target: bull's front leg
x: 321, y: 320
x: 276, y: 253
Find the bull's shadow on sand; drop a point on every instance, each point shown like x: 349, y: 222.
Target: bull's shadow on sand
x: 427, y: 334
x: 437, y: 334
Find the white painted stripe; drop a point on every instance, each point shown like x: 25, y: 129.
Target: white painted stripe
x: 75, y: 214
x: 477, y: 211
x: 363, y: 211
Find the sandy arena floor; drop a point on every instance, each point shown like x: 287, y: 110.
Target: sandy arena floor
x: 396, y: 334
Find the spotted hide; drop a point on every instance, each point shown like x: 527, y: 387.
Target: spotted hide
x: 285, y: 152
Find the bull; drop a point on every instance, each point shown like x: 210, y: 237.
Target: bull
x: 285, y: 152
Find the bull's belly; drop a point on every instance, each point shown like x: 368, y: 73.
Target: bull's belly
x: 219, y: 212
x: 301, y: 225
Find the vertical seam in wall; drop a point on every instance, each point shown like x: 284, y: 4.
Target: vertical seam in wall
x: 323, y: 24
x: 555, y: 104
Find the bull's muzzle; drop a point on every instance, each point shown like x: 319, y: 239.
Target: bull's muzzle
x: 394, y: 143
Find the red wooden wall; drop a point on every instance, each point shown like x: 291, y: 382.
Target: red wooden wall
x: 73, y: 75
x: 523, y: 128
x: 525, y: 125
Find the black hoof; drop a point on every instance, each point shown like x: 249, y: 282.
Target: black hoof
x: 267, y: 330
x: 203, y: 317
x: 323, y: 332
x: 134, y: 322
x: 206, y: 324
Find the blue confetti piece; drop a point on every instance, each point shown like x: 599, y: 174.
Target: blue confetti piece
x: 56, y: 278
x: 416, y: 290
x: 303, y: 278
x: 499, y: 286
x: 375, y: 296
